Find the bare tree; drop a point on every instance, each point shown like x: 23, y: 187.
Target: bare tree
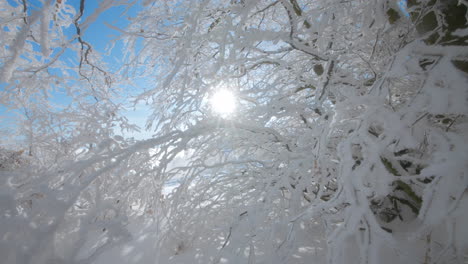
x: 346, y: 144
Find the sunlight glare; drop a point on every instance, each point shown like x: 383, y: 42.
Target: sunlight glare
x: 223, y: 102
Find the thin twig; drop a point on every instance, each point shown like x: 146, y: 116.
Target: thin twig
x: 419, y: 119
x: 453, y: 121
x: 227, y: 238
x: 264, y: 9
x: 329, y: 73
x: 86, y: 48
x: 291, y: 41
x: 25, y: 11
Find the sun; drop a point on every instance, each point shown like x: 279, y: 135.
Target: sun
x: 223, y: 102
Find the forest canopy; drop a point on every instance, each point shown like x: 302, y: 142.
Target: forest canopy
x: 282, y: 131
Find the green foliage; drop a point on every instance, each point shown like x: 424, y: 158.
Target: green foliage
x: 446, y: 17
x: 396, y: 200
x: 369, y: 82
x: 402, y: 194
x: 404, y: 187
x: 393, y: 15
x: 388, y: 165
x: 462, y: 65
x: 427, y: 23
x: 318, y: 69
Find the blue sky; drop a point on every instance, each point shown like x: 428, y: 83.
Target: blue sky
x: 403, y: 7
x: 100, y: 37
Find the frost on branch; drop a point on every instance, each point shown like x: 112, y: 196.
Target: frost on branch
x: 346, y: 144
